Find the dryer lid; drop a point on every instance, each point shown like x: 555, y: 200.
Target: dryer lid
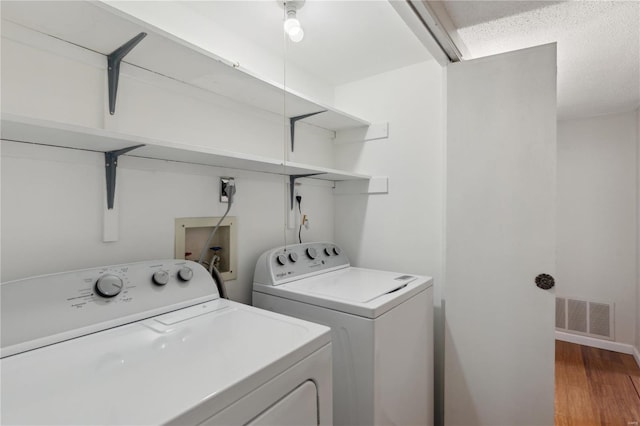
x: 152, y: 371
x: 353, y: 284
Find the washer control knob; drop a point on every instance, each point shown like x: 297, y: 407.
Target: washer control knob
x: 327, y: 251
x: 282, y: 259
x: 185, y: 273
x: 109, y: 285
x: 161, y: 277
x: 337, y: 250
x: 293, y: 256
x: 312, y: 253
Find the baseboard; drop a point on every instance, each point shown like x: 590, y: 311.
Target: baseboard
x: 598, y: 343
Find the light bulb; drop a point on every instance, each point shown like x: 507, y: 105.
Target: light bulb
x: 291, y: 23
x: 292, y: 26
x: 296, y: 34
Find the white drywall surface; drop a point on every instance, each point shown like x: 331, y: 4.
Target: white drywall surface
x: 637, y: 342
x: 402, y: 230
x: 53, y: 198
x: 52, y: 207
x: 596, y: 220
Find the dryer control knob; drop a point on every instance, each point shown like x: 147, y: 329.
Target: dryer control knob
x: 312, y: 253
x: 337, y: 250
x: 282, y: 259
x: 109, y: 285
x: 185, y: 273
x: 327, y: 251
x: 161, y: 277
x: 293, y: 257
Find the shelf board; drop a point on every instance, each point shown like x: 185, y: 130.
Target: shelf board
x: 44, y: 132
x: 169, y: 55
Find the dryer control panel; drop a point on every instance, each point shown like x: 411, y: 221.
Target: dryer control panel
x: 289, y: 263
x: 46, y: 309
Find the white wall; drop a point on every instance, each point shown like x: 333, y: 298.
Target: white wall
x: 53, y: 198
x: 596, y: 221
x: 400, y: 231
x: 53, y: 80
x: 637, y: 343
x: 52, y: 202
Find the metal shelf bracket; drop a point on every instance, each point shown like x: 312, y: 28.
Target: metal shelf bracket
x: 113, y: 68
x: 292, y: 124
x: 292, y: 183
x: 111, y: 165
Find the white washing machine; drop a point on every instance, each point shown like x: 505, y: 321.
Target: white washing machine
x: 381, y: 326
x: 152, y: 343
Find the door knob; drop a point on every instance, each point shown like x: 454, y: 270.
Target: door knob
x: 545, y: 281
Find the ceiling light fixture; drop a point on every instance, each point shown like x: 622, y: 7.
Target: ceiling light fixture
x: 291, y: 24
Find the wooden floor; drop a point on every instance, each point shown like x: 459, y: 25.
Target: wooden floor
x: 596, y: 387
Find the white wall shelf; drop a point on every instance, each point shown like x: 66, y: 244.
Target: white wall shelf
x: 44, y: 132
x: 171, y: 56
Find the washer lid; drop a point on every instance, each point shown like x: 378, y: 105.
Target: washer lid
x: 364, y: 292
x: 354, y: 284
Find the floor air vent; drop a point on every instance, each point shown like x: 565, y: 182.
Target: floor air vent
x: 577, y: 315
x: 600, y: 319
x: 585, y: 317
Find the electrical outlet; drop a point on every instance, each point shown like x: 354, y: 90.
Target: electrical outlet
x: 224, y: 185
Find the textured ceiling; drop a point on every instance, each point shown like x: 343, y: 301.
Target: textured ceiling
x: 598, y: 46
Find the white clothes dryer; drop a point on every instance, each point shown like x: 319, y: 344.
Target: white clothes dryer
x: 381, y: 326
x: 152, y: 343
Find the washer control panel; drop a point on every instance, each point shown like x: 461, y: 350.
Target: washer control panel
x: 57, y: 304
x: 288, y: 263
